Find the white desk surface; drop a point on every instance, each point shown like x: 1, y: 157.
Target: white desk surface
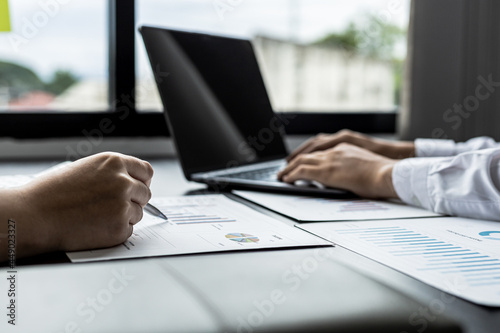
x: 231, y: 292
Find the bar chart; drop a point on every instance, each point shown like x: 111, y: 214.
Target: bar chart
x: 433, y: 254
x: 202, y: 224
x: 452, y: 254
x: 192, y: 214
x: 361, y: 206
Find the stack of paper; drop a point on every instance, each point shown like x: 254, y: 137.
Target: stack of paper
x: 311, y: 209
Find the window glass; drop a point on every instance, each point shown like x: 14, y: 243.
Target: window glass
x: 315, y: 55
x: 55, y: 56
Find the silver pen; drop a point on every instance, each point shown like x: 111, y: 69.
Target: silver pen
x: 152, y: 210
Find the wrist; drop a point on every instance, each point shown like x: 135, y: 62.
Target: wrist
x: 32, y: 235
x: 406, y: 149
x: 392, y: 149
x: 384, y: 187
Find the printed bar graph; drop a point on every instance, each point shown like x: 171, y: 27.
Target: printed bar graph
x: 189, y: 214
x: 359, y: 206
x: 202, y: 224
x: 456, y: 255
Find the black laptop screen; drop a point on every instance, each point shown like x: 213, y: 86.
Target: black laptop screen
x: 215, y: 100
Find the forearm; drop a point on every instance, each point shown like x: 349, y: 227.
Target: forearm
x: 396, y: 150
x: 384, y: 185
x: 20, y: 236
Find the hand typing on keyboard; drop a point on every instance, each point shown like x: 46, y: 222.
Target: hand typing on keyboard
x: 344, y: 166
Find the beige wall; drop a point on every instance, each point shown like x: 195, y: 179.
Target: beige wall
x: 303, y: 78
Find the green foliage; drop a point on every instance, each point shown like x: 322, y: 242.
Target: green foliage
x: 21, y: 80
x: 349, y: 39
x: 398, y: 66
x: 370, y: 36
x: 61, y: 81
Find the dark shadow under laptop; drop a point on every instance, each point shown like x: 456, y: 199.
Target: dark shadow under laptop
x: 219, y: 113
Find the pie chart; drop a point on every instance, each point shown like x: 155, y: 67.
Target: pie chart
x: 242, y: 238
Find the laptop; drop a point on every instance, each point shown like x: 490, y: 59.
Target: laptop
x: 219, y: 113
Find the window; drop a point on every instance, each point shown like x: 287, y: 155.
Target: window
x: 94, y: 42
x: 317, y: 56
x: 83, y: 63
x: 55, y: 57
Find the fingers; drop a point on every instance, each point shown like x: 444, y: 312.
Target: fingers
x: 320, y: 145
x: 309, y: 159
x: 303, y: 147
x: 135, y: 213
x: 319, y: 142
x: 301, y: 172
x: 140, y: 170
x: 326, y: 141
x: 140, y: 193
x: 130, y: 231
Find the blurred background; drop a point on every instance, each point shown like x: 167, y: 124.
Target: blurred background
x: 316, y: 55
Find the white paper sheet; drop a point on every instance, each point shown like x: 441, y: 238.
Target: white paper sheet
x: 459, y: 256
x: 197, y: 224
x: 11, y: 181
x: 313, y: 209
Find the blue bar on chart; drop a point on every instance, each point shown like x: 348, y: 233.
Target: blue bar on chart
x: 444, y: 252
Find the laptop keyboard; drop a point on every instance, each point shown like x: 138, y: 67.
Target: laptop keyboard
x: 265, y: 174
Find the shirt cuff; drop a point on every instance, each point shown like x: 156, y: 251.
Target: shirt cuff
x: 482, y: 142
x: 433, y: 147
x: 409, y: 178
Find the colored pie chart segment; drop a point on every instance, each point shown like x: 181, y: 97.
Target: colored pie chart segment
x: 242, y: 238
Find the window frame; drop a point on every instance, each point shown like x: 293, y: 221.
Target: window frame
x: 128, y: 122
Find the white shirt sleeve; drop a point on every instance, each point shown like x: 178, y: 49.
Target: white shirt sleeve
x: 433, y: 147
x: 465, y: 185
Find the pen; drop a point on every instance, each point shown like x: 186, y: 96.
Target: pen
x: 152, y: 210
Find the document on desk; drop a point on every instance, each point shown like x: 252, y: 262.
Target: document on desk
x: 457, y: 255
x: 198, y: 224
x: 11, y: 181
x: 314, y: 209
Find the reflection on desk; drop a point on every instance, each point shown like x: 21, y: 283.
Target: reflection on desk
x: 263, y: 291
